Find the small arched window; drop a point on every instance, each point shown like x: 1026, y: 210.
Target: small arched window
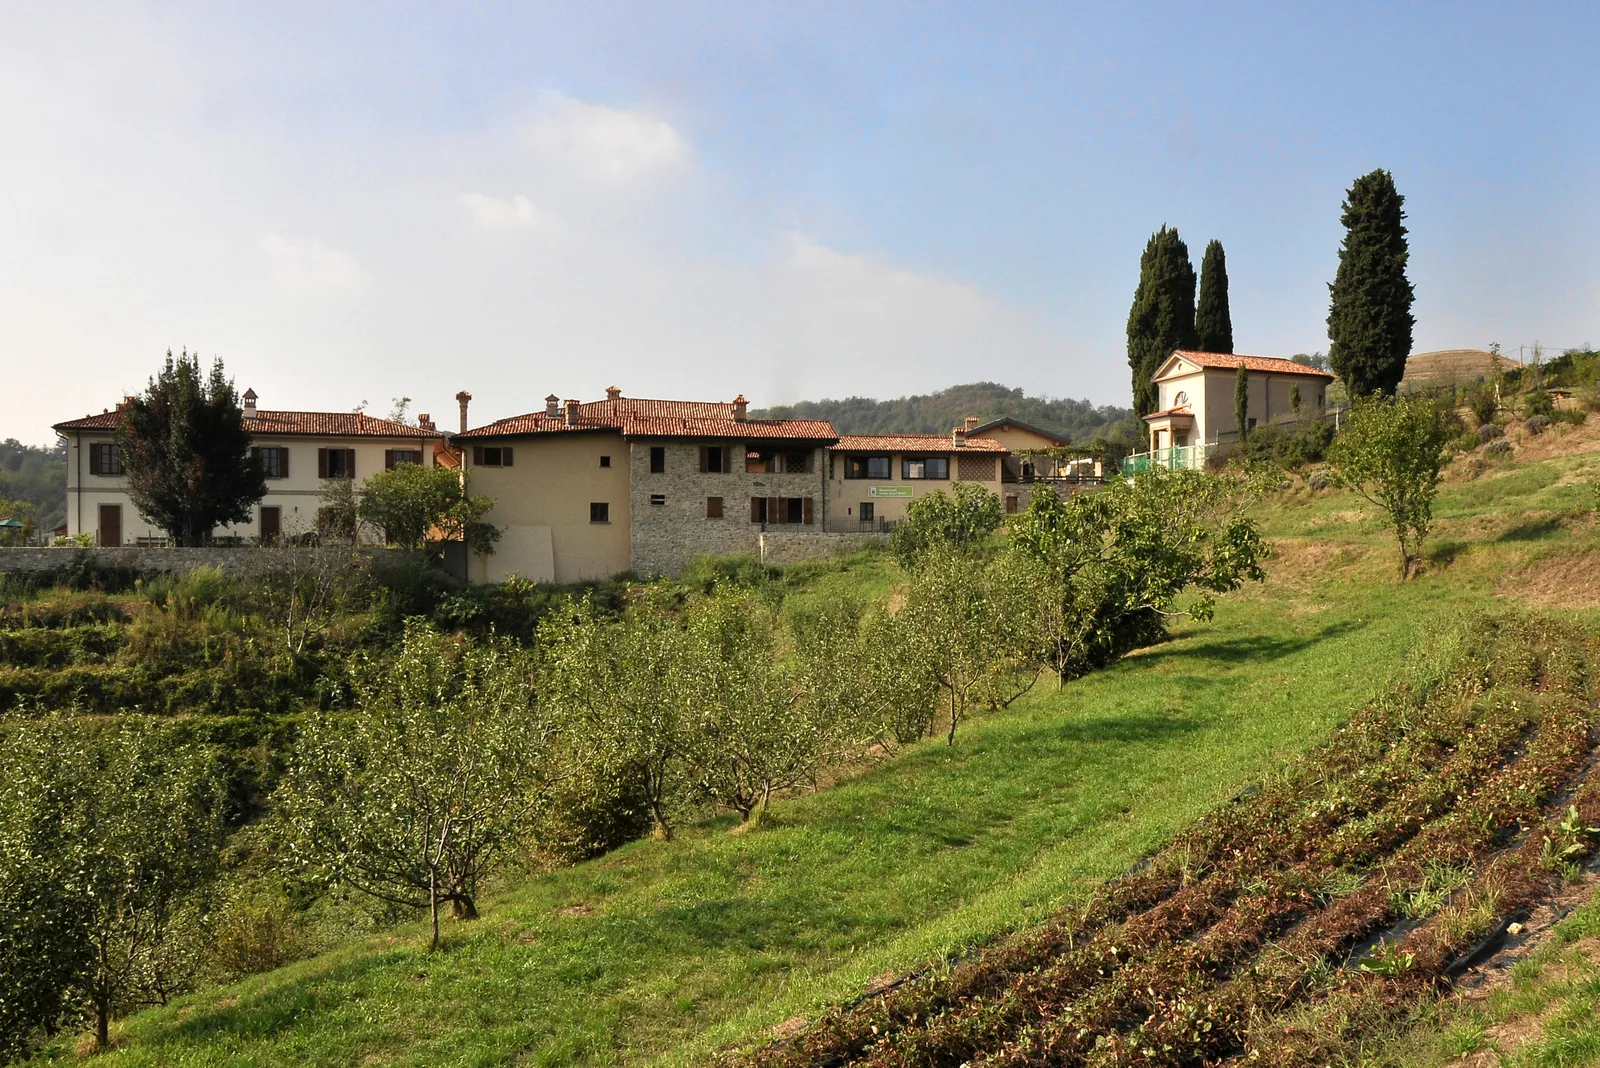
x: 1180, y: 400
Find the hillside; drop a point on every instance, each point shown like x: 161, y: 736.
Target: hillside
x: 1447, y: 367
x: 935, y: 413
x: 37, y: 477
x: 666, y: 952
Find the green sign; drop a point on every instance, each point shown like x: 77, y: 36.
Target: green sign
x: 889, y: 491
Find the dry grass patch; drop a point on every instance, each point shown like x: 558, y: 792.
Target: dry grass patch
x: 1555, y: 581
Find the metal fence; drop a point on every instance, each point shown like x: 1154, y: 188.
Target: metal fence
x: 1175, y: 458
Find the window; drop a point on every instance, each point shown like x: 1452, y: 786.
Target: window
x: 925, y: 467
x: 105, y: 459
x: 274, y: 461
x: 336, y: 463
x: 393, y: 458
x: 658, y: 498
x: 869, y: 511
x: 605, y: 461
x: 1180, y: 400
x: 713, y: 507
x: 797, y: 461
x: 491, y: 456
x: 866, y: 467
x: 714, y: 459
x: 782, y: 510
x: 599, y: 512
x: 658, y: 459
x: 1011, y: 504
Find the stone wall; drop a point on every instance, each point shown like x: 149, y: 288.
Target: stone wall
x: 665, y: 536
x: 150, y: 561
x: 792, y: 546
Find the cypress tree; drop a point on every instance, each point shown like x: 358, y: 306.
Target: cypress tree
x: 1212, y: 322
x: 1241, y: 400
x: 1162, y: 316
x: 1369, y: 310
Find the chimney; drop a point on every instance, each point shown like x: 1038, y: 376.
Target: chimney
x: 249, y: 404
x: 122, y: 405
x: 613, y: 393
x: 971, y: 422
x: 958, y: 437
x: 552, y: 406
x: 425, y: 422
x: 740, y: 408
x: 463, y: 398
x: 572, y: 413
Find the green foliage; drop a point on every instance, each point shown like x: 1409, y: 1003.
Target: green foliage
x: 36, y: 477
x: 1107, y: 568
x: 1305, y: 442
x: 936, y: 413
x: 1483, y: 400
x: 1369, y: 311
x: 108, y: 841
x: 1392, y: 453
x: 1213, y: 323
x: 1538, y: 402
x: 427, y: 782
x: 1241, y: 402
x: 962, y: 518
x: 186, y: 452
x: 1162, y: 316
x: 419, y: 506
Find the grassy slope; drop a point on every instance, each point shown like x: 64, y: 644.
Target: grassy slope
x: 660, y: 952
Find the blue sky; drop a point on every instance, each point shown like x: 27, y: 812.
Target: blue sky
x: 783, y: 200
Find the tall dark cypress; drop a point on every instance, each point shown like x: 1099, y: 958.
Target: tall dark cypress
x: 1369, y: 310
x: 1212, y: 321
x: 1162, y: 316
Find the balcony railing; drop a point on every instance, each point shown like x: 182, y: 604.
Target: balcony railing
x: 1175, y: 458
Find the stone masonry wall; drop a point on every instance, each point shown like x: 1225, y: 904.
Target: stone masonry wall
x: 790, y: 546
x: 150, y: 561
x: 664, y: 537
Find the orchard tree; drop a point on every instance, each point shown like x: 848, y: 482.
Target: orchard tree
x: 1369, y: 311
x: 1392, y: 453
x: 421, y: 506
x: 962, y: 518
x: 111, y: 841
x: 427, y: 782
x: 186, y: 452
x: 1162, y: 316
x: 1212, y: 321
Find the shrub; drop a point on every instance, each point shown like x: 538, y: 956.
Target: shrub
x: 1320, y: 479
x: 1483, y: 403
x: 1571, y: 416
x: 1536, y: 424
x: 1538, y: 402
x: 1489, y: 432
x: 1497, y: 449
x: 962, y: 518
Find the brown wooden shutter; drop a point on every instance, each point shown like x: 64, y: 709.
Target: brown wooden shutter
x: 755, y: 509
x: 505, y: 456
x: 349, y: 463
x: 94, y: 459
x: 775, y: 510
x: 727, y: 459
x: 713, y: 507
x: 477, y: 455
x: 322, y: 463
x: 808, y: 513
x: 283, y: 463
x: 388, y: 459
x: 704, y: 466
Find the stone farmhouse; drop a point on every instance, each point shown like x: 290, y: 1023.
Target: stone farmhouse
x: 1195, y: 396
x: 297, y: 450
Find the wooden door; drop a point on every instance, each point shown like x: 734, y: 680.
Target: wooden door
x: 111, y: 524
x: 271, y: 524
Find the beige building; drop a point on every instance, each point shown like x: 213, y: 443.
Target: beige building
x: 1195, y: 396
x: 872, y: 479
x: 297, y: 450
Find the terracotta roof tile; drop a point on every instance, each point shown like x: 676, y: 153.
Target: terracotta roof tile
x: 913, y: 443
x: 1266, y: 364
x: 1182, y: 409
x: 310, y: 424
x: 644, y: 418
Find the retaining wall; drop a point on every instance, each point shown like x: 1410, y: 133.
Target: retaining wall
x: 789, y: 547
x: 149, y: 560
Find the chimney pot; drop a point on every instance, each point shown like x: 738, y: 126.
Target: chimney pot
x: 958, y: 437
x: 425, y: 422
x: 613, y: 392
x: 572, y: 413
x: 463, y: 398
x: 249, y: 399
x: 971, y: 421
x: 741, y: 408
x: 552, y: 405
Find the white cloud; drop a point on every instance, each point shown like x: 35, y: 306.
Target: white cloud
x: 310, y: 266
x: 492, y: 213
x: 606, y: 144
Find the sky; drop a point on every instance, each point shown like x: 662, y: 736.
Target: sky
x: 349, y: 203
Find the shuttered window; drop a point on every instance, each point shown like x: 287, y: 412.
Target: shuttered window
x: 105, y: 459
x: 336, y: 463
x: 274, y: 461
x: 394, y: 457
x: 715, y: 459
x: 491, y: 456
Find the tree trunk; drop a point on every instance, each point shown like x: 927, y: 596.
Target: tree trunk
x: 951, y: 739
x: 102, y: 1022
x: 462, y: 907
x: 433, y: 908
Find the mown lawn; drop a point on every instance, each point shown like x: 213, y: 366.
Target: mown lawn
x: 662, y: 952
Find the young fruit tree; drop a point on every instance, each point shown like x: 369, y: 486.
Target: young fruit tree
x: 428, y: 781
x: 1107, y: 569
x: 110, y: 841
x: 963, y: 518
x: 186, y: 452
x: 1392, y: 453
x: 421, y: 506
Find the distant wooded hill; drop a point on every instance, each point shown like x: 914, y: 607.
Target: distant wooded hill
x: 37, y: 477
x: 935, y: 413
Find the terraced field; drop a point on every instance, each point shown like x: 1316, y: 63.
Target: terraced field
x: 1284, y: 926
